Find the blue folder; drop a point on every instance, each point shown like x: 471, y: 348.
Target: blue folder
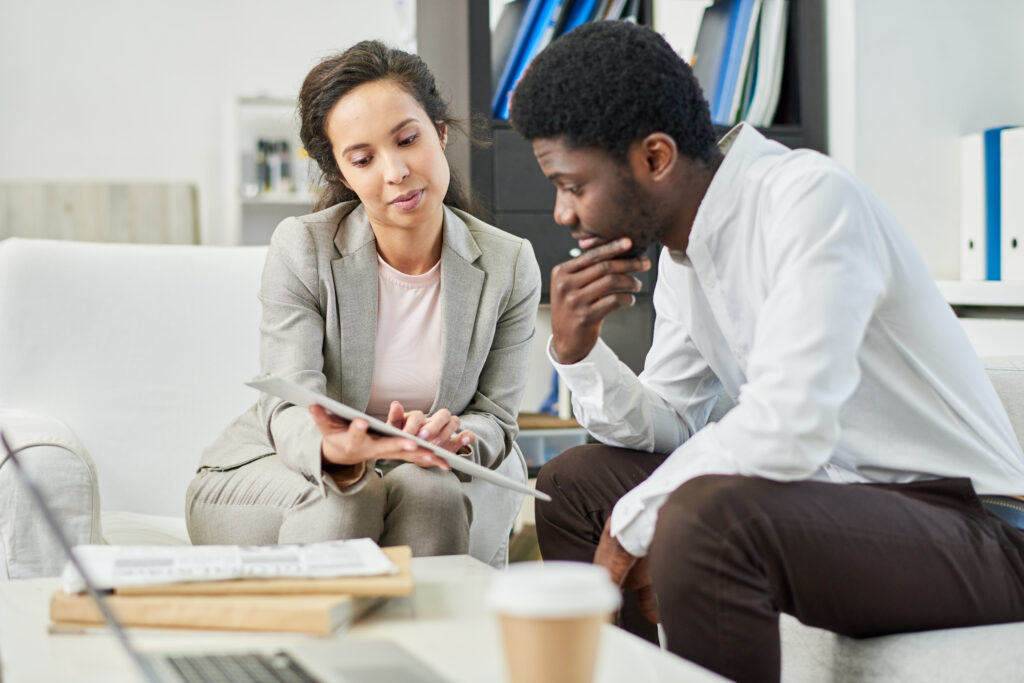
x: 581, y: 13
x: 539, y: 21
x: 740, y: 12
x: 993, y: 202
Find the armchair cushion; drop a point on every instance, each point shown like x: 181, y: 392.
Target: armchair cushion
x: 61, y: 468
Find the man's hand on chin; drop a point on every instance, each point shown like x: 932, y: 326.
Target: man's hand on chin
x: 585, y: 290
x: 627, y: 571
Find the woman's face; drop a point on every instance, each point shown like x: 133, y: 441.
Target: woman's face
x: 390, y: 154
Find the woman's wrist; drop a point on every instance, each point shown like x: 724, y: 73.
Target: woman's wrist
x: 344, y: 475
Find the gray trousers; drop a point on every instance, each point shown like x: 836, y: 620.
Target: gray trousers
x: 264, y: 503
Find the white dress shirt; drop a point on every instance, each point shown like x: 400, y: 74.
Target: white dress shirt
x: 802, y: 297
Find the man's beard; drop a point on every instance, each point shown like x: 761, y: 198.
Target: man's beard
x: 636, y: 218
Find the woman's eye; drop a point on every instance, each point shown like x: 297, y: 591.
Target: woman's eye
x: 411, y: 139
x: 361, y: 161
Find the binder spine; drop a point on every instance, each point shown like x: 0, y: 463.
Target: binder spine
x: 993, y: 203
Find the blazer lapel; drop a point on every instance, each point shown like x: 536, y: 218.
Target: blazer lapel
x: 355, y: 284
x: 461, y: 285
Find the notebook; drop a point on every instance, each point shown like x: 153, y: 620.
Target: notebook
x: 333, y: 661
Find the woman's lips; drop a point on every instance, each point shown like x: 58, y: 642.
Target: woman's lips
x: 408, y: 201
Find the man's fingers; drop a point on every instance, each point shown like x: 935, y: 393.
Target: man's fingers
x: 603, y: 252
x: 648, y: 603
x: 580, y: 269
x: 600, y: 309
x: 603, y: 286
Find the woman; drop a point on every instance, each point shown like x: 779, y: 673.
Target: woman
x: 392, y: 299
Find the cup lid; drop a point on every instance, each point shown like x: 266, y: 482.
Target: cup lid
x: 553, y: 589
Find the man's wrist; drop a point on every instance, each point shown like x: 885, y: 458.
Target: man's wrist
x: 565, y: 356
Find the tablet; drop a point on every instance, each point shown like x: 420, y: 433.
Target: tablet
x: 302, y: 396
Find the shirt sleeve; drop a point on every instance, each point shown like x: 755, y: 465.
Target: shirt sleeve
x: 826, y: 271
x: 655, y: 412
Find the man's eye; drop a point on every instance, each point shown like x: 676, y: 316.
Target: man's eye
x: 572, y: 189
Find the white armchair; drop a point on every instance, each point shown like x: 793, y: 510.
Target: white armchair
x: 118, y: 365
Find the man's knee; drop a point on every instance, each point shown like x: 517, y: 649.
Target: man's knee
x: 719, y: 501
x: 563, y: 470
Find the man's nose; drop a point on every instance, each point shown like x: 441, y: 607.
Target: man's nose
x: 564, y: 214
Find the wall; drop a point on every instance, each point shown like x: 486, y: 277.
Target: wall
x: 906, y: 80
x: 123, y: 90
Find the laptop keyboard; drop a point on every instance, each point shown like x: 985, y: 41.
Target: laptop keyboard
x: 238, y: 668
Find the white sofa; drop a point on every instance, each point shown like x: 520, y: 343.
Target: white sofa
x: 118, y: 365
x: 135, y: 355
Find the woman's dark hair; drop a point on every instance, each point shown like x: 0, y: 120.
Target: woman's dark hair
x: 337, y: 76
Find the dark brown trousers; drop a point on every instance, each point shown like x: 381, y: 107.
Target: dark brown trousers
x: 731, y: 552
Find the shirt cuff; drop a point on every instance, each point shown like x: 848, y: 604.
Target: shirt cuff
x: 633, y: 521
x: 588, y: 376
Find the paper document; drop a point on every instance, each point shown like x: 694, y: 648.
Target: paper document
x: 302, y: 396
x: 111, y: 566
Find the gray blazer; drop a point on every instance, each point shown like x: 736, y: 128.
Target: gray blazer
x: 319, y: 297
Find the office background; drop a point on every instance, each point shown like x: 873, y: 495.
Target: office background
x: 116, y: 90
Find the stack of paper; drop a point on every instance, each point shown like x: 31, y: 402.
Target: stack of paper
x: 306, y: 605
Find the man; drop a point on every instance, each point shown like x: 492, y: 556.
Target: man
x: 841, y: 486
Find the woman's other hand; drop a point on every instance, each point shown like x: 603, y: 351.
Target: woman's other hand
x: 351, y: 443
x: 441, y: 428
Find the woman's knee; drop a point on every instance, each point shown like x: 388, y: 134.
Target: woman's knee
x: 425, y: 488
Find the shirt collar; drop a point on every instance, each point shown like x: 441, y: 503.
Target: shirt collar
x: 741, y: 147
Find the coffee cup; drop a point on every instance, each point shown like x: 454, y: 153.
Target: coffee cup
x: 551, y: 615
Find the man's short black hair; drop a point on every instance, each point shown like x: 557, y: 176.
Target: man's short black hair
x: 608, y: 84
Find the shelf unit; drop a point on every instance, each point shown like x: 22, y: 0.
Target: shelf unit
x: 252, y: 219
x: 992, y: 314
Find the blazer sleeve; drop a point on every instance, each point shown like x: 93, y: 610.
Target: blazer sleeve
x: 291, y: 346
x: 492, y: 412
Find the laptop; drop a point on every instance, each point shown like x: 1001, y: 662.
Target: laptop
x: 334, y: 661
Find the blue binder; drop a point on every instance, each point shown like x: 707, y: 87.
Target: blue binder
x: 993, y: 202
x: 729, y: 78
x: 539, y: 22
x: 581, y: 13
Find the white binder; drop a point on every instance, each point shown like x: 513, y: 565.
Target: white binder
x: 1012, y: 201
x: 972, y: 207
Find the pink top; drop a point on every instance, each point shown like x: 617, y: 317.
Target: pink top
x: 407, y: 357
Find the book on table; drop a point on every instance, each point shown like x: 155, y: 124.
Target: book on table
x: 304, y: 605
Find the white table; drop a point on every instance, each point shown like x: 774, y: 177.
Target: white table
x: 443, y: 623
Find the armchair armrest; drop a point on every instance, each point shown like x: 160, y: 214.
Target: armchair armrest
x: 59, y: 464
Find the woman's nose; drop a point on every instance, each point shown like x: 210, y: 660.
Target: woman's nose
x: 396, y: 169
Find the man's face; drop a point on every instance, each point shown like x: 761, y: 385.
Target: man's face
x: 598, y: 197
